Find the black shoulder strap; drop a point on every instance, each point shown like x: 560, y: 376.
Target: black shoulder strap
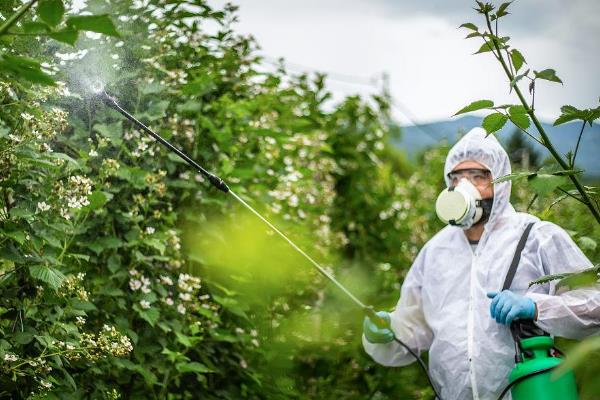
x: 521, y: 329
x: 517, y: 257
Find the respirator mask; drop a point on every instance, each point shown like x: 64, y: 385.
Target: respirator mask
x: 462, y: 205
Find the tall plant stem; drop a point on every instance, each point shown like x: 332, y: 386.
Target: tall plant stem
x: 15, y: 17
x: 577, y: 146
x: 545, y: 139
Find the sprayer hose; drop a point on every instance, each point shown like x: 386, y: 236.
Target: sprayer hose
x: 522, y: 378
x: 421, y: 364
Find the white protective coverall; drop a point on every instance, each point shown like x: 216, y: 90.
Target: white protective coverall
x: 443, y: 306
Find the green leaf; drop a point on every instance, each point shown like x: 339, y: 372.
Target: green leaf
x: 517, y: 59
x: 193, y: 367
x: 93, y: 23
x: 53, y: 277
x: 156, y: 244
x: 35, y: 27
x: 156, y: 110
x: 23, y: 337
x: 585, y: 278
x: 518, y: 109
x: 521, y: 120
x: 97, y: 200
x: 587, y: 243
x: 502, y: 9
x: 26, y: 68
x: 476, y: 105
x: 512, y: 177
x: 470, y: 26
x: 548, y: 74
x: 68, y: 36
x: 486, y: 47
x: 570, y: 113
x: 199, y: 86
x: 567, y: 172
x: 472, y: 35
x: 517, y: 78
x: 183, y: 339
x: 111, y: 132
x: 543, y: 184
x: 18, y: 236
x: 83, y: 305
x: 494, y: 122
x: 548, y: 278
x: 149, y: 377
x: 586, y: 350
x: 174, y: 356
x: 230, y: 304
x: 150, y: 315
x: 103, y: 243
x: 51, y: 11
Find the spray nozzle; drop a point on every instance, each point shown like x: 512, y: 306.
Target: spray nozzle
x: 98, y: 89
x: 106, y: 98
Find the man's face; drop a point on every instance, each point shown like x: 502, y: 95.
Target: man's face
x: 479, y: 176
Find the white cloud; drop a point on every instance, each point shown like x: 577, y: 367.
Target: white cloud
x: 431, y: 67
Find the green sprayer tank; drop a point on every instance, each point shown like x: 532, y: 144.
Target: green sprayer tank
x: 535, y: 353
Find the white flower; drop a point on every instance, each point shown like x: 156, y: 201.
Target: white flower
x: 243, y: 364
x: 181, y: 309
x: 169, y: 301
x: 65, y: 213
x: 145, y: 304
x: 184, y: 176
x: 10, y: 357
x: 239, y: 331
x: 293, y: 200
x: 150, y: 230
x: 135, y: 284
x: 46, y: 384
x: 93, y: 153
x: 45, y: 148
x: 26, y: 117
x: 185, y: 296
x: 80, y: 320
x: 255, y: 342
x: 42, y: 206
x: 254, y: 333
x: 166, y: 280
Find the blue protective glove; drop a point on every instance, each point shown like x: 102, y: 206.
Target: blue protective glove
x: 375, y: 334
x: 507, y: 306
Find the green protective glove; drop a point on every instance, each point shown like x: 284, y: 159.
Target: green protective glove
x: 374, y: 334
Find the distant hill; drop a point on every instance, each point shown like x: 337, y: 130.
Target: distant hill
x: 417, y: 138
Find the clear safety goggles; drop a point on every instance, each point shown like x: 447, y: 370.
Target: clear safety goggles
x: 477, y: 176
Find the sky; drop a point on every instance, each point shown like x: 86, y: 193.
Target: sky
x: 431, y: 67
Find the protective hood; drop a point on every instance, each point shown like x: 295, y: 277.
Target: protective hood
x: 486, y: 150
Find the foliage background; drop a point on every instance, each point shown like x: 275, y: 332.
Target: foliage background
x: 212, y: 306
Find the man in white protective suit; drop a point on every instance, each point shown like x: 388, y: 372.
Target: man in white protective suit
x: 451, y: 303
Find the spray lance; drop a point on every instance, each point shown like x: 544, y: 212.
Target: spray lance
x: 222, y: 186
